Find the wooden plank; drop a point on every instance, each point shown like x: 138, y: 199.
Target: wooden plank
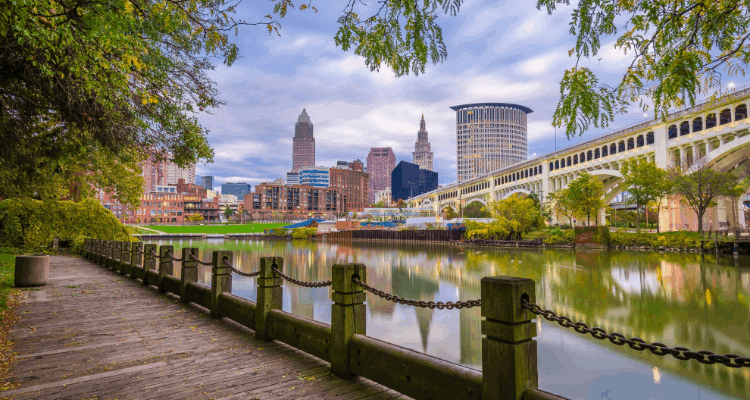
x: 307, y: 335
x: 237, y: 309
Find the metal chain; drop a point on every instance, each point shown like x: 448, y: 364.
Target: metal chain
x: 153, y: 253
x: 419, y: 303
x: 660, y: 349
x: 302, y: 283
x: 238, y: 272
x: 170, y: 255
x: 199, y: 261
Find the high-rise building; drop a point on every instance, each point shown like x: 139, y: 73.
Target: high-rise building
x: 238, y: 189
x: 422, y: 154
x: 174, y: 173
x: 292, y: 178
x: 277, y: 200
x: 303, y: 146
x: 351, y: 178
x: 208, y: 182
x: 380, y: 164
x: 199, y: 180
x: 408, y: 180
x: 489, y: 136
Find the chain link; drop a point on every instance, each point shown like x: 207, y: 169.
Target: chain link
x: 302, y: 283
x: 419, y: 303
x: 238, y: 272
x: 153, y: 253
x: 170, y: 255
x: 199, y: 261
x: 660, y: 349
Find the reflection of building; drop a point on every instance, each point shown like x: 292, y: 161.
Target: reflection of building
x: 380, y: 164
x: 414, y: 286
x: 303, y: 146
x: 408, y: 180
x: 422, y: 154
x: 489, y: 136
x: 353, y: 182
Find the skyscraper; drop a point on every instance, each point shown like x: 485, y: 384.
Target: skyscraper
x: 208, y: 182
x: 174, y: 173
x: 380, y: 164
x: 303, y: 148
x: 408, y: 180
x: 489, y: 136
x: 422, y: 149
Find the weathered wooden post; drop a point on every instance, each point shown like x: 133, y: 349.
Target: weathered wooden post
x: 269, y: 294
x: 116, y: 256
x: 101, y: 250
x: 166, y: 266
x: 136, y: 257
x: 509, y: 351
x: 348, y: 315
x: 125, y: 256
x: 111, y: 254
x: 107, y: 253
x: 221, y: 279
x: 189, y: 270
x: 149, y: 260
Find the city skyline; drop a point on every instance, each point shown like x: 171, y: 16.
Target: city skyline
x: 504, y: 52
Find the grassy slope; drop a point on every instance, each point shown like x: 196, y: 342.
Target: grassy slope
x: 7, y: 267
x: 213, y: 229
x: 7, y: 317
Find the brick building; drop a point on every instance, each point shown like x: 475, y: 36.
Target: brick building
x: 380, y: 164
x: 279, y: 201
x: 354, y: 184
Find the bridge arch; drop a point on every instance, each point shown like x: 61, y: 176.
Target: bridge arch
x: 730, y: 154
x: 473, y: 199
x: 517, y: 191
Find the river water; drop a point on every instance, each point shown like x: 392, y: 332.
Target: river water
x: 702, y: 303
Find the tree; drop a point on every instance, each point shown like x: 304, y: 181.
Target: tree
x: 679, y: 50
x: 476, y: 209
x: 699, y: 185
x: 450, y: 213
x: 586, y: 193
x: 518, y: 214
x: 400, y: 204
x: 129, y: 76
x: 194, y: 217
x: 228, y: 212
x: 379, y: 204
x: 641, y: 178
x: 662, y: 188
x: 734, y: 193
x: 563, y: 204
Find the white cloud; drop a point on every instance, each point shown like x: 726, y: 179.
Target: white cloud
x: 542, y: 64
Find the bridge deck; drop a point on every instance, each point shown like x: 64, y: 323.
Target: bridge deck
x: 91, y: 333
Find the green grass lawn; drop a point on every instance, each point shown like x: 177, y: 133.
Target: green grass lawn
x: 215, y: 229
x: 7, y: 269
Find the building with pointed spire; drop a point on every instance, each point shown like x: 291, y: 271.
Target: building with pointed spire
x: 422, y: 149
x: 303, y: 148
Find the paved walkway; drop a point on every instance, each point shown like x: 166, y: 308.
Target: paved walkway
x: 93, y: 334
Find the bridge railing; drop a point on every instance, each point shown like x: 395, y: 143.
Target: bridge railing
x: 509, y: 351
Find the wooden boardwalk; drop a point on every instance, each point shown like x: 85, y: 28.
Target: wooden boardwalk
x: 93, y: 334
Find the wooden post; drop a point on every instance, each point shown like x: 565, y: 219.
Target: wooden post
x: 117, y: 257
x: 269, y: 294
x: 125, y: 256
x: 509, y: 352
x: 136, y: 257
x: 149, y: 260
x: 102, y: 248
x: 189, y: 270
x: 166, y: 266
x: 221, y: 279
x: 114, y: 255
x: 108, y: 253
x: 348, y: 316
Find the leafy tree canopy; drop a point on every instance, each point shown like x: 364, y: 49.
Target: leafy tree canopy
x: 679, y: 49
x: 586, y: 193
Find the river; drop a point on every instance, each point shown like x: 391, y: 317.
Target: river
x: 702, y: 303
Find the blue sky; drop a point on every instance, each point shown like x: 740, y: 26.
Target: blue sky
x: 497, y: 52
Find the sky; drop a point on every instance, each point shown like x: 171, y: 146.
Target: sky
x: 505, y: 52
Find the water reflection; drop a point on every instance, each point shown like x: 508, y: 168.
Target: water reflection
x: 678, y: 299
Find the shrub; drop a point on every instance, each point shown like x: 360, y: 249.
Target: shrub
x: 30, y: 225
x: 304, y: 233
x: 279, y: 232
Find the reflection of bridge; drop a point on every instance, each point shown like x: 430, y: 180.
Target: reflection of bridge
x: 716, y: 131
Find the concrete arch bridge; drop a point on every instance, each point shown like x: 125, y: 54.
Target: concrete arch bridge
x: 716, y: 132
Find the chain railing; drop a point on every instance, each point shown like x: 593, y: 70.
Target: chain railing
x: 196, y: 259
x: 238, y: 272
x: 170, y: 255
x: 659, y: 349
x: 419, y: 303
x: 302, y: 283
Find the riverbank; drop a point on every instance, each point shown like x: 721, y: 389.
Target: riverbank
x: 210, y: 229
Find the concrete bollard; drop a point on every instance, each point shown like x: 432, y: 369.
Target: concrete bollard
x: 125, y: 258
x: 269, y: 294
x: 509, y: 352
x: 31, y: 271
x: 149, y: 260
x: 136, y: 257
x: 189, y: 271
x: 348, y: 316
x: 221, y: 279
x: 166, y: 266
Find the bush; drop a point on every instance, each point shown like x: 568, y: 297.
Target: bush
x: 279, y: 232
x: 666, y: 239
x: 552, y: 236
x: 30, y: 225
x: 599, y: 234
x: 304, y: 233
